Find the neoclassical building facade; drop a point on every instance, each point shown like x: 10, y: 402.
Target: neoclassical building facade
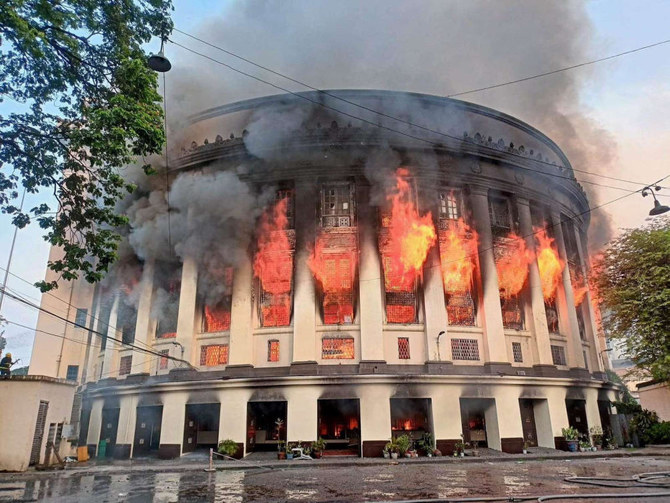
x: 419, y: 265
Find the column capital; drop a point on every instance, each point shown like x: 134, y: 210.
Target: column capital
x: 479, y: 190
x: 522, y: 200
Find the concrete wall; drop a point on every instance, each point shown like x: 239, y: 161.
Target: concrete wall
x: 656, y: 397
x: 21, y: 396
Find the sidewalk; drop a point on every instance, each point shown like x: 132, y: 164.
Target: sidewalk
x: 200, y: 460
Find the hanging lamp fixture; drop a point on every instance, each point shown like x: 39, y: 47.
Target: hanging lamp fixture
x: 658, y: 208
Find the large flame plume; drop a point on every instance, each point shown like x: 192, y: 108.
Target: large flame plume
x: 410, y: 236
x: 273, y: 264
x: 512, y: 265
x: 334, y: 267
x: 458, y: 256
x: 549, y: 264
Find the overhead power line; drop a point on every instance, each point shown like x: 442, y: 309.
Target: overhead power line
x: 383, y: 114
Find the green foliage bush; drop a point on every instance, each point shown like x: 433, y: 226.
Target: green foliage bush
x: 227, y: 447
x: 658, y: 433
x: 403, y: 442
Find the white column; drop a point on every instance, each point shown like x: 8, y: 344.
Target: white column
x: 233, y: 415
x: 539, y: 316
x: 109, y: 359
x: 375, y: 409
x: 187, y: 305
x: 301, y: 420
x: 143, y: 323
x: 172, y: 423
x: 304, y: 302
x: 566, y: 301
x: 125, y: 434
x: 434, y: 304
x: 370, y: 282
x: 241, y: 343
x: 494, y: 333
x: 94, y: 423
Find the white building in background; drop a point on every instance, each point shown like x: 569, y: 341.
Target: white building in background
x: 337, y: 343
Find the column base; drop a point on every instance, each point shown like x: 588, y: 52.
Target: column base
x: 545, y: 370
x: 500, y: 368
x: 303, y: 368
x: 600, y: 376
x: 183, y: 374
x: 169, y: 451
x: 242, y: 370
x: 372, y: 367
x: 441, y: 367
x: 447, y: 446
x: 138, y: 378
x: 121, y: 451
x: 512, y: 445
x: 373, y: 448
x: 579, y: 373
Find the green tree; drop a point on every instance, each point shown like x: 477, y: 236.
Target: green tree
x: 86, y: 105
x: 632, y: 279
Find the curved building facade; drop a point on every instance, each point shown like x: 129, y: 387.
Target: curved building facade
x: 418, y: 264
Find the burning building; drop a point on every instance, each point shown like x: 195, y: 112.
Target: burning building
x: 392, y: 271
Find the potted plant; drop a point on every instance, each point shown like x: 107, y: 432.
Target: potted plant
x: 426, y: 444
x: 526, y: 445
x: 571, y: 436
x: 318, y: 446
x: 392, y: 448
x: 289, y: 450
x: 584, y: 445
x: 228, y: 447
x: 403, y: 443
x: 460, y: 447
x: 281, y: 449
x: 597, y: 436
x: 475, y: 448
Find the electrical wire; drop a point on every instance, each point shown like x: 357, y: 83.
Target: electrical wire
x: 382, y: 114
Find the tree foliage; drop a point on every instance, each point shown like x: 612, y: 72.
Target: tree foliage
x: 87, y: 106
x: 632, y: 279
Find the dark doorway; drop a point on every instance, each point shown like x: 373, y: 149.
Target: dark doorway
x: 604, y: 410
x: 577, y: 415
x: 473, y: 419
x: 201, y: 426
x: 528, y: 422
x: 411, y: 416
x: 110, y: 425
x: 266, y: 425
x: 339, y: 425
x: 147, y: 430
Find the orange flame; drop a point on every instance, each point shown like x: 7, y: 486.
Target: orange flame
x: 512, y: 266
x: 579, y: 288
x: 410, y: 236
x: 458, y: 256
x: 549, y: 264
x: 273, y: 263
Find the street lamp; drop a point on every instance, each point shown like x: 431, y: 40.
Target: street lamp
x: 602, y: 360
x: 439, y: 358
x: 658, y: 208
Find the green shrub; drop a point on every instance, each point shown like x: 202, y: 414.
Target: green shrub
x: 570, y: 433
x: 227, y: 447
x: 403, y: 442
x: 642, y: 422
x: 658, y: 433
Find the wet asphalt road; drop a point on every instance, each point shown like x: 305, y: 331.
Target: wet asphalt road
x: 338, y: 484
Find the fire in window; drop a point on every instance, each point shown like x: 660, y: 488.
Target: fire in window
x: 465, y: 349
x: 163, y: 361
x: 516, y: 352
x: 551, y: 313
x: 125, y: 364
x: 558, y: 355
x: 339, y: 348
x: 213, y: 355
x: 403, y: 348
x: 273, y: 351
x: 216, y: 315
x: 334, y: 257
x: 167, y: 278
x: 273, y: 263
x: 458, y: 259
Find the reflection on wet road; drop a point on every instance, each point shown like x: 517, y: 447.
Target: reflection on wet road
x: 322, y: 483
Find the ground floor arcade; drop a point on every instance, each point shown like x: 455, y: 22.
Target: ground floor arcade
x: 354, y: 416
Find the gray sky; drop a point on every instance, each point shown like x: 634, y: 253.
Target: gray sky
x: 617, y: 112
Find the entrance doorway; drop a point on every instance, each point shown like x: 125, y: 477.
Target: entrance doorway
x: 528, y: 421
x: 147, y: 430
x: 577, y: 415
x: 266, y: 425
x: 338, y: 425
x: 411, y: 416
x: 110, y: 425
x: 474, y: 420
x: 201, y: 426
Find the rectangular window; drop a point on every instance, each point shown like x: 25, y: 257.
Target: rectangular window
x: 125, y: 365
x: 273, y: 350
x: 337, y: 348
x: 337, y: 205
x: 465, y: 349
x: 72, y: 372
x: 501, y: 216
x: 403, y: 348
x: 449, y: 205
x: 214, y: 354
x: 80, y: 317
x: 558, y: 355
x: 516, y: 351
x: 163, y: 362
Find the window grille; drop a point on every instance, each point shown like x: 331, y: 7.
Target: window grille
x: 516, y: 351
x: 337, y: 205
x: 403, y: 348
x: 501, y: 216
x: 581, y: 324
x: 449, y: 205
x: 72, y: 372
x: 214, y: 354
x: 460, y: 309
x: 273, y: 350
x: 464, y: 349
x: 80, y: 317
x: 552, y: 316
x: 125, y: 364
x: 512, y: 312
x: 337, y: 348
x: 163, y: 362
x: 558, y: 355
x: 286, y: 194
